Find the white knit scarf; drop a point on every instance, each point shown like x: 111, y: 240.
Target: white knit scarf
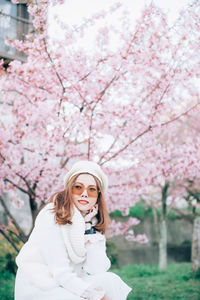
x: 74, y: 238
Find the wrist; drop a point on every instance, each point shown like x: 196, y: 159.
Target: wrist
x: 88, y: 225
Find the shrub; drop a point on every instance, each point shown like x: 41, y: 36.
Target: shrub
x: 112, y: 253
x: 7, y: 270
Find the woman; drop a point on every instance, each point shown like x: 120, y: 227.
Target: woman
x: 65, y: 256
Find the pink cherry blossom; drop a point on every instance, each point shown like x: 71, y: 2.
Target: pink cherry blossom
x: 133, y: 109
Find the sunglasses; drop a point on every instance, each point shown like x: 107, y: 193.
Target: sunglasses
x: 78, y: 189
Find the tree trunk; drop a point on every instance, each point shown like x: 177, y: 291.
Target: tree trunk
x: 155, y: 222
x: 196, y: 246
x: 163, y: 245
x: 163, y: 230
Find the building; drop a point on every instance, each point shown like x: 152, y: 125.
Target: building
x: 15, y: 23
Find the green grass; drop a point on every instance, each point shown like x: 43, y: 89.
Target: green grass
x: 7, y: 276
x: 147, y: 282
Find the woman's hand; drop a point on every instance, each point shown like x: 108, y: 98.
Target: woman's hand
x: 91, y: 214
x: 105, y: 298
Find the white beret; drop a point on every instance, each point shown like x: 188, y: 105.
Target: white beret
x: 90, y: 167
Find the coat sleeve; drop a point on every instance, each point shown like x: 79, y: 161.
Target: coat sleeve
x: 97, y: 260
x: 48, y: 236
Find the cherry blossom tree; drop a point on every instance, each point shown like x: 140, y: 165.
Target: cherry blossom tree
x: 168, y: 191
x: 111, y: 105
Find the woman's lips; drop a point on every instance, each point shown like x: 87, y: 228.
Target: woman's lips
x: 83, y: 202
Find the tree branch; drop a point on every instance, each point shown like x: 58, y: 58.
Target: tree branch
x: 56, y: 72
x: 30, y: 190
x: 127, y: 145
x: 113, y: 143
x: 147, y: 130
x: 8, y: 213
x: 38, y: 87
x: 9, y: 240
x: 188, y: 218
x: 181, y: 115
x: 15, y: 185
x: 15, y: 234
x: 90, y: 130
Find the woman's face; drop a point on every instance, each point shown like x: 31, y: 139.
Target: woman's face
x: 84, y: 192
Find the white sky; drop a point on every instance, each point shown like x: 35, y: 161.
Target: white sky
x: 74, y: 11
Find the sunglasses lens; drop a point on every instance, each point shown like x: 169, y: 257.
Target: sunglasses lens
x: 78, y: 189
x: 92, y: 191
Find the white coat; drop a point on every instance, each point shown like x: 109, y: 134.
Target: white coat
x: 56, y: 263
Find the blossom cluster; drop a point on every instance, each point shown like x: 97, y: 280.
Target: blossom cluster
x: 133, y: 109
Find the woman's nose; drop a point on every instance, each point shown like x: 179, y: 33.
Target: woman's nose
x: 84, y: 193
